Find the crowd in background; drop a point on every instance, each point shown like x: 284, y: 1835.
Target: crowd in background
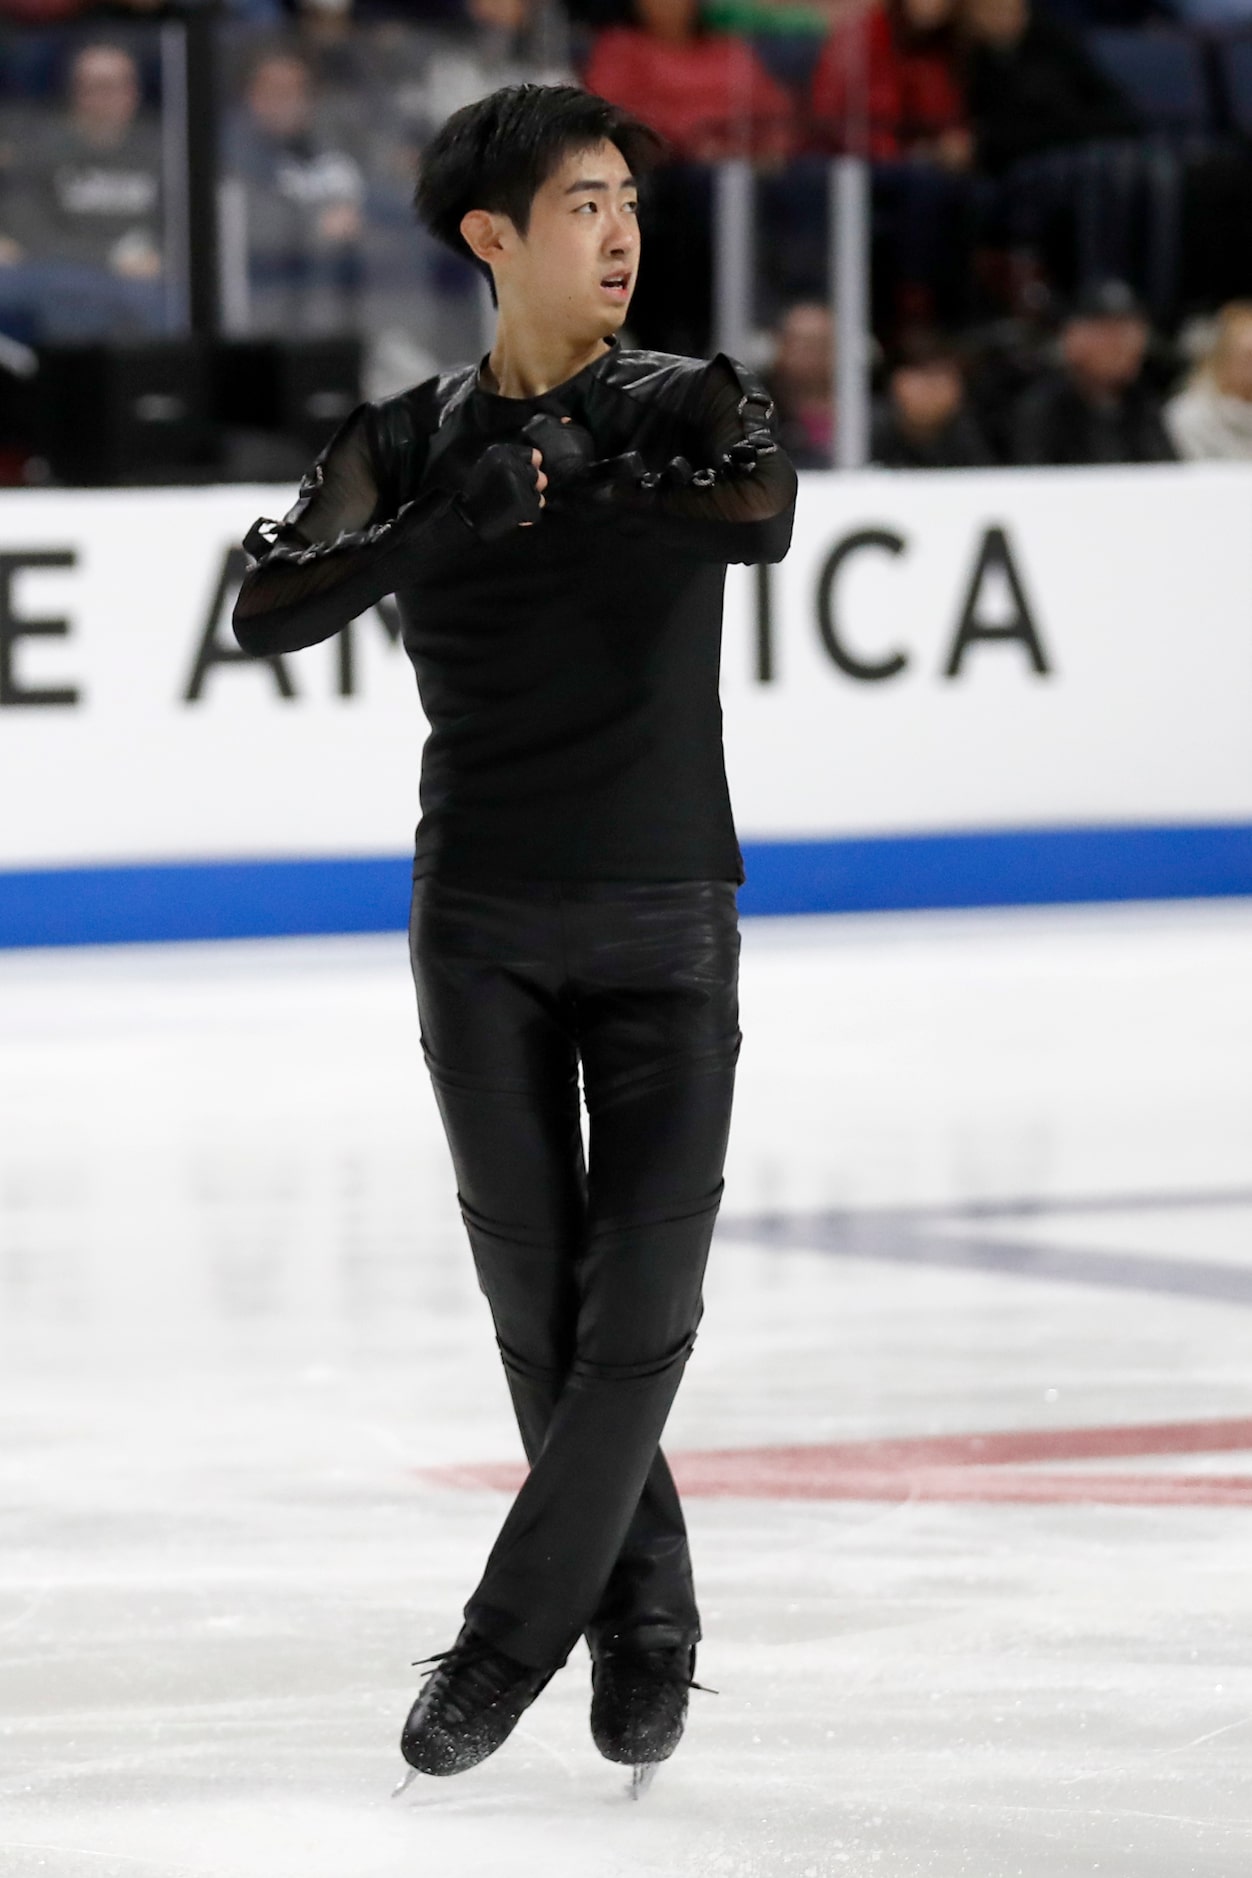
x: 1102, y: 390
x: 1062, y: 255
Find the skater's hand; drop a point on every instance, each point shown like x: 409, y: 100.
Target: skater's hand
x: 503, y: 491
x: 574, y: 470
x: 568, y: 451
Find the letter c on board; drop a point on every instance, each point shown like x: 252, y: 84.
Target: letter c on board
x: 863, y: 669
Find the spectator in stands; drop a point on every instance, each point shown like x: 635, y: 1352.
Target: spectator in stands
x: 1071, y: 183
x: 888, y: 84
x: 340, y: 46
x: 323, y: 24
x: 710, y: 96
x: 924, y: 422
x: 1033, y: 87
x: 706, y: 92
x: 1095, y: 407
x: 304, y: 196
x: 1212, y: 415
x: 499, y: 42
x: 801, y: 382
x: 81, y: 225
x: 88, y: 189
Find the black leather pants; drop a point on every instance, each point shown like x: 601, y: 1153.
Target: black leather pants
x: 593, y: 1270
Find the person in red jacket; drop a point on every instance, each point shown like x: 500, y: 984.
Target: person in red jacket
x: 887, y: 85
x: 707, y: 93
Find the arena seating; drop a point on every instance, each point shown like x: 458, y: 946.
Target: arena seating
x: 1164, y: 74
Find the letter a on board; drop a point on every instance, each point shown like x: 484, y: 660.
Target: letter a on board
x: 995, y: 557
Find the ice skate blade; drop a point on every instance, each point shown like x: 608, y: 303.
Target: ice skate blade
x: 641, y: 1779
x: 410, y: 1775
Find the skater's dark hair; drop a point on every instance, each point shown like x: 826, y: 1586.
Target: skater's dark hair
x: 497, y: 153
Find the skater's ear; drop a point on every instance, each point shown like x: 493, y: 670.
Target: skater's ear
x: 486, y: 234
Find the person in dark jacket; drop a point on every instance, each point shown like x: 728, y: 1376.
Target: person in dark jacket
x: 1033, y: 87
x: 924, y: 422
x: 1065, y: 179
x: 1095, y: 408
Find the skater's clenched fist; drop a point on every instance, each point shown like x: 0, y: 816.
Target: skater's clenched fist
x: 503, y: 491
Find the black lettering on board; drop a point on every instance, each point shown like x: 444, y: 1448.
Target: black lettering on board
x: 995, y: 556
x: 868, y: 671
x: 213, y: 650
x: 14, y: 627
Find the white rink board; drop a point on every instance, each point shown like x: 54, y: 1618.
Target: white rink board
x: 1138, y: 585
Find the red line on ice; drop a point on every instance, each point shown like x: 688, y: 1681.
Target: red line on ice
x: 970, y: 1467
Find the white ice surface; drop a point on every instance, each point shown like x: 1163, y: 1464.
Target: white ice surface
x: 237, y: 1317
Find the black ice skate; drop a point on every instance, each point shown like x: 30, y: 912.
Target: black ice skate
x: 639, y: 1705
x: 471, y: 1702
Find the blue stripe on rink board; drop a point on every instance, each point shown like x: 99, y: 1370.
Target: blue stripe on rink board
x: 1014, y: 867
x: 203, y: 900
x: 370, y: 893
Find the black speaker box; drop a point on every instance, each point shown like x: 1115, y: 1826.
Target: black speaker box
x: 19, y: 418
x: 303, y: 388
x: 125, y: 412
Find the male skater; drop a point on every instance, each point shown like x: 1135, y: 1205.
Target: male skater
x: 555, y: 523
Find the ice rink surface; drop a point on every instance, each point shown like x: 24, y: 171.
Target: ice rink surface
x: 967, y: 1436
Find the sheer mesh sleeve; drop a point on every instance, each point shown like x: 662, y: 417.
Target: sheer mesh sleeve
x: 747, y: 513
x: 340, y: 493
x: 334, y: 554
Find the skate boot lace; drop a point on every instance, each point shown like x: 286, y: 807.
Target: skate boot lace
x: 468, y: 1677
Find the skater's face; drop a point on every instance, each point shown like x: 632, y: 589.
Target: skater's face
x: 576, y: 265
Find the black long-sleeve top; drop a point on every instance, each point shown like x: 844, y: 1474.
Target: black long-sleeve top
x: 569, y: 671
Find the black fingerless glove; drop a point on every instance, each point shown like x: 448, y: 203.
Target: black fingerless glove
x: 567, y: 449
x: 501, y: 492
x: 572, y: 466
